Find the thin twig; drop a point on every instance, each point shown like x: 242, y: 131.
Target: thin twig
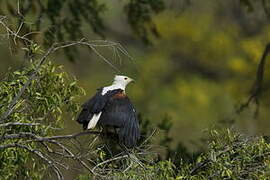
x: 2, y: 18
x: 19, y: 124
x: 257, y: 87
x: 110, y: 160
x: 39, y: 154
x: 44, y: 139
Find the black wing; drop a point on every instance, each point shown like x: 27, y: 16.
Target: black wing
x: 119, y: 112
x: 95, y: 105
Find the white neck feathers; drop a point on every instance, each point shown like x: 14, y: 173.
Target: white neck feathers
x: 115, y: 85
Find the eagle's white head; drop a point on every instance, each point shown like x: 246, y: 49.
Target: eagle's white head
x: 122, y: 80
x: 119, y: 82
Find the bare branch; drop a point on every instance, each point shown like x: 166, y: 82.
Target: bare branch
x: 10, y: 32
x: 257, y: 87
x: 110, y: 160
x: 67, y: 153
x: 44, y: 139
x: 19, y: 124
x: 39, y: 154
x: 104, y: 59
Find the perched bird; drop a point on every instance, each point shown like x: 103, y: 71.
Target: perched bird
x: 111, y: 107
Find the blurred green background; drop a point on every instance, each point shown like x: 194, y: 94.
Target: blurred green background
x: 198, y: 70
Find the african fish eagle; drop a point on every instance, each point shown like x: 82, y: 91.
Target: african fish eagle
x: 111, y: 107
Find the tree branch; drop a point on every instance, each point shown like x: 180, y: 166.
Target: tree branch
x: 18, y: 124
x: 257, y: 87
x: 44, y: 139
x: 39, y: 154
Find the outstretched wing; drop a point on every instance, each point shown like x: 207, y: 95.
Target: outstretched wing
x: 91, y: 109
x: 119, y: 112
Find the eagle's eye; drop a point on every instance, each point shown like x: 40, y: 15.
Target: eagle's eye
x: 125, y: 78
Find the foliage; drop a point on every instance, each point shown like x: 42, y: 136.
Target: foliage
x: 63, y: 20
x: 42, y: 106
x: 253, y: 5
x: 53, y: 21
x: 66, y: 17
x: 231, y: 156
x: 160, y: 170
x: 140, y: 17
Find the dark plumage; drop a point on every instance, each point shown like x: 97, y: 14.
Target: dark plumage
x: 116, y: 111
x: 94, y: 105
